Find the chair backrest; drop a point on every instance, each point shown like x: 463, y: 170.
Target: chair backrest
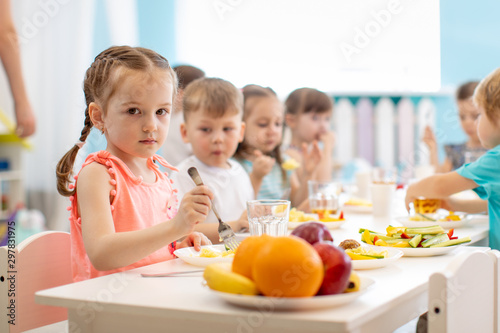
x: 461, y: 296
x: 495, y: 256
x: 39, y: 262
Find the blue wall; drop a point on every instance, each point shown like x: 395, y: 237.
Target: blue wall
x: 470, y: 31
x: 156, y: 27
x: 469, y: 51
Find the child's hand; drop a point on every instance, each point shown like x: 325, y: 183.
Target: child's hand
x: 429, y: 138
x: 196, y: 239
x: 328, y: 139
x: 410, y: 196
x: 262, y: 164
x: 311, y: 157
x: 194, y: 208
x: 241, y: 223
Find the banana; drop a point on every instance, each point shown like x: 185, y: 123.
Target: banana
x: 220, y: 277
x: 354, y: 283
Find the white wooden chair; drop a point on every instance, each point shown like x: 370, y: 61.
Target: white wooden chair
x: 495, y: 256
x: 41, y: 261
x: 461, y: 297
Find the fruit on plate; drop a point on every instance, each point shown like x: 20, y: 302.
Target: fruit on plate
x: 354, y: 283
x: 337, y: 265
x: 219, y: 276
x: 246, y: 254
x: 287, y: 267
x: 313, y: 232
x: 299, y: 216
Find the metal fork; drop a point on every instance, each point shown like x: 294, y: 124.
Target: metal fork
x: 226, y: 234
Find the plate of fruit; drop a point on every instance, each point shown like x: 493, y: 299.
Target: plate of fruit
x: 286, y: 273
x: 209, y: 254
x: 298, y: 218
x: 443, y: 218
x: 365, y: 257
x: 415, y: 242
x: 357, y: 205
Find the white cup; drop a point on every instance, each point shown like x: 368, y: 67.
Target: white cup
x: 382, y: 198
x: 363, y: 181
x: 268, y: 217
x: 423, y: 171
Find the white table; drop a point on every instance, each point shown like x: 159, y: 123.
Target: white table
x: 127, y: 302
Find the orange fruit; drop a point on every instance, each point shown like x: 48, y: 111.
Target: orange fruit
x: 288, y: 267
x: 246, y: 253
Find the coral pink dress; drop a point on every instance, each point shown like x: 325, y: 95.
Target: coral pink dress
x: 135, y: 205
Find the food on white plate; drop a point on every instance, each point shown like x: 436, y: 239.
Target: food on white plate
x: 211, y: 253
x: 358, y: 202
x: 349, y: 244
x: 424, y: 237
x: 365, y: 253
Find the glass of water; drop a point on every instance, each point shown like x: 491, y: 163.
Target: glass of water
x: 268, y: 217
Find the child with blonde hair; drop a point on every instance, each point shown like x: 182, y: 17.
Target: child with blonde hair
x: 308, y: 113
x: 458, y: 154
x: 123, y: 208
x: 482, y: 175
x: 212, y: 124
x: 260, y: 152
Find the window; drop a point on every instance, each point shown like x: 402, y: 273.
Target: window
x: 335, y: 46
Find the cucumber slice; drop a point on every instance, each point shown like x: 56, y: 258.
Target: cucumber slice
x: 432, y: 230
x: 453, y: 242
x: 415, y: 240
x: 435, y: 240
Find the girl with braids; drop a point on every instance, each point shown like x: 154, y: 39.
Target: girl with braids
x: 123, y: 208
x: 260, y: 152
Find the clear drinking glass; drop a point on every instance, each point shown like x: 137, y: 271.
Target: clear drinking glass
x: 324, y: 198
x: 268, y: 217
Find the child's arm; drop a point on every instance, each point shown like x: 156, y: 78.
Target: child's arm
x: 261, y: 167
x: 108, y: 249
x: 472, y: 206
x: 325, y: 167
x: 438, y: 186
x: 211, y: 229
x: 430, y: 140
x: 307, y: 171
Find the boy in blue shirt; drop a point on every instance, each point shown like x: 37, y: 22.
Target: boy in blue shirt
x: 483, y: 175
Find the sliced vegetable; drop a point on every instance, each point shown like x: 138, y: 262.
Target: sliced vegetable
x: 415, y: 241
x: 435, y: 229
x: 435, y: 240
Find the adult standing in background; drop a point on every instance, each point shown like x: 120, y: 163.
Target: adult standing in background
x: 177, y: 150
x: 11, y: 59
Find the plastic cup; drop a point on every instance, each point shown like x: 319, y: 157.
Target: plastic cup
x: 382, y: 199
x: 268, y: 217
x: 324, y: 198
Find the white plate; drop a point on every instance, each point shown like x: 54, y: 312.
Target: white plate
x: 421, y: 251
x: 295, y: 303
x: 190, y: 256
x: 357, y: 209
x: 394, y: 254
x: 329, y: 225
x: 405, y: 221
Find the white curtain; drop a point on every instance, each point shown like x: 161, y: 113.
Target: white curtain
x: 56, y: 46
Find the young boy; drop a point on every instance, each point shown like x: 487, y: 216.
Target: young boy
x: 213, y: 125
x: 482, y: 175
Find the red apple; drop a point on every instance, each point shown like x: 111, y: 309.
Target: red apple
x: 313, y: 232
x: 337, y: 268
